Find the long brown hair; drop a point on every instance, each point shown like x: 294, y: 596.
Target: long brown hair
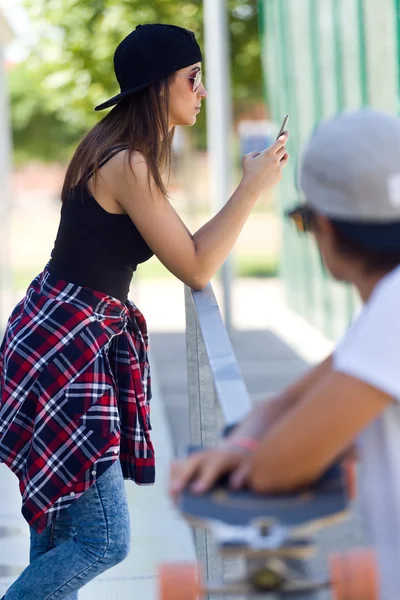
x: 139, y: 123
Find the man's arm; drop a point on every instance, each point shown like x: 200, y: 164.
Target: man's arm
x: 265, y: 414
x: 314, y: 432
x: 205, y: 467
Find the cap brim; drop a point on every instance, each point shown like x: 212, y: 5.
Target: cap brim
x: 115, y: 99
x: 111, y: 102
x: 382, y: 237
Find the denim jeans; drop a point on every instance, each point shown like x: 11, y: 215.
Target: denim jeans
x: 88, y: 538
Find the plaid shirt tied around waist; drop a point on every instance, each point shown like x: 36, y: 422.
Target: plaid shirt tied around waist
x: 74, y: 395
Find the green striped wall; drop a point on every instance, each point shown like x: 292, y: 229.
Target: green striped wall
x: 321, y: 57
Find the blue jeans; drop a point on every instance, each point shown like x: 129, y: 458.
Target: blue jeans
x: 84, y: 541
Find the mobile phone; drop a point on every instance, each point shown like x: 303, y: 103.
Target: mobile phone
x: 283, y: 127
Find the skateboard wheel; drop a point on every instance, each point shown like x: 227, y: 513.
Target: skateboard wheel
x: 351, y: 478
x: 179, y: 581
x: 354, y: 575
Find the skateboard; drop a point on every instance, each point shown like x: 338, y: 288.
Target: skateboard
x: 272, y: 537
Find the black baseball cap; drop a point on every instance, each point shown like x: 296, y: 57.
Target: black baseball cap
x: 149, y: 53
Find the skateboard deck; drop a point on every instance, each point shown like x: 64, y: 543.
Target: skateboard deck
x: 272, y: 535
x: 306, y: 509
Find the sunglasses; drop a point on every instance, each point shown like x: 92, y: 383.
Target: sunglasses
x: 196, y: 80
x: 303, y: 217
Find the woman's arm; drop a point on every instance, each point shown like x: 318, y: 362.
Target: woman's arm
x: 193, y: 259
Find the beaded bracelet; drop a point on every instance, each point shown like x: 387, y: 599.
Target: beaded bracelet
x: 245, y: 443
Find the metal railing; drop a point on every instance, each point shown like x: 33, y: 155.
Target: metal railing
x: 214, y: 378
x: 217, y: 393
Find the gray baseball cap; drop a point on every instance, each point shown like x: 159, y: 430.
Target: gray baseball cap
x: 350, y: 172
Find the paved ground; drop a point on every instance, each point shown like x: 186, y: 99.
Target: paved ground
x: 273, y: 346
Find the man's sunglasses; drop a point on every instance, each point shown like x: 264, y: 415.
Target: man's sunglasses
x: 303, y: 217
x: 196, y: 80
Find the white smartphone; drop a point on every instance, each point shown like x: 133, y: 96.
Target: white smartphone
x: 283, y: 127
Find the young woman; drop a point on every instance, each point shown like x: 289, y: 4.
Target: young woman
x: 74, y: 372
x: 350, y: 177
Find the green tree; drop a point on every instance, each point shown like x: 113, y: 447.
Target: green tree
x: 39, y: 130
x: 71, y: 68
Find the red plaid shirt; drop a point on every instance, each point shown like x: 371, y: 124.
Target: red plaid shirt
x: 74, y: 395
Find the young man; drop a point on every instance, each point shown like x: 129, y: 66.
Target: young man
x: 350, y: 177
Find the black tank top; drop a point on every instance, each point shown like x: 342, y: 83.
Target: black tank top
x: 95, y: 248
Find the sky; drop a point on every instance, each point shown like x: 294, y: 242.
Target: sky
x: 18, y: 19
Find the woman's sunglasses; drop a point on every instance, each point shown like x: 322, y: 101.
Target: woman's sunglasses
x: 303, y: 217
x: 196, y: 80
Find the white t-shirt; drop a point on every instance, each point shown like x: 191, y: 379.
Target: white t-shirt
x: 370, y: 351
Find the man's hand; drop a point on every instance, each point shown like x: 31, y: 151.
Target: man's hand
x: 202, y: 469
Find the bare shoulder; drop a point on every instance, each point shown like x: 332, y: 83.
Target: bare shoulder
x: 131, y: 179
x: 103, y: 184
x: 124, y: 162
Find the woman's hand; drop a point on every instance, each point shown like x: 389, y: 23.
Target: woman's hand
x: 202, y: 469
x: 262, y: 171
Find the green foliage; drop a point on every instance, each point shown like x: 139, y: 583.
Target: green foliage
x: 39, y: 131
x: 70, y: 71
